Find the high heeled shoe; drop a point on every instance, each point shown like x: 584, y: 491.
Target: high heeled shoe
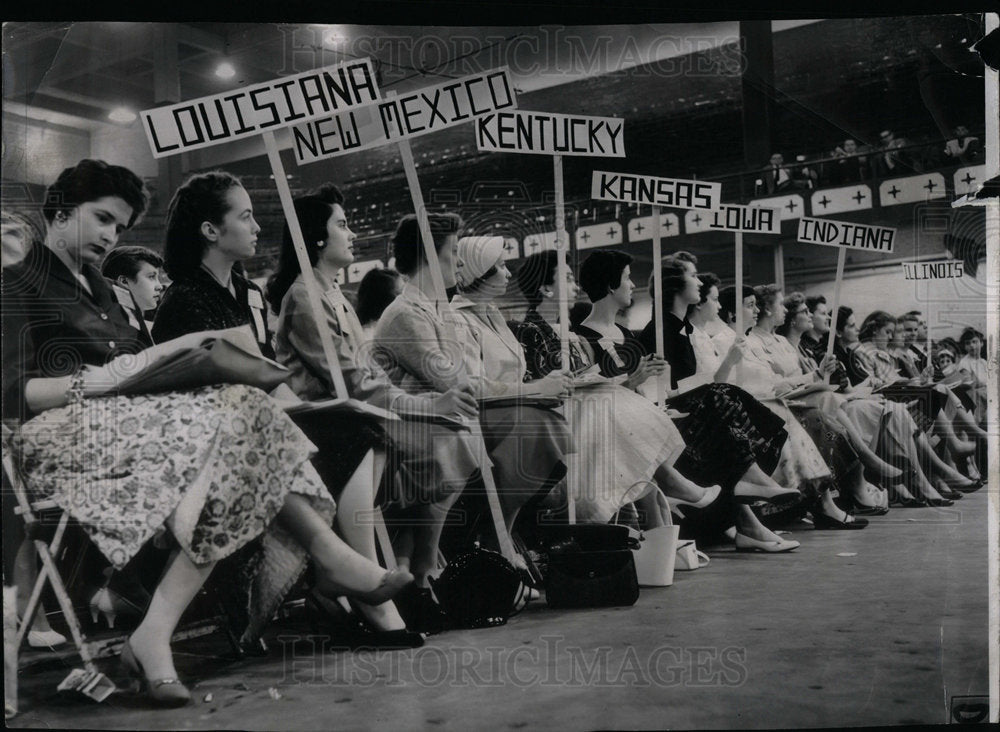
x: 353, y: 630
x: 777, y: 495
x: 711, y: 494
x: 746, y: 543
x: 109, y: 604
x: 851, y: 523
x: 863, y: 509
x: 392, y: 583
x: 163, y: 692
x: 420, y: 611
x: 46, y: 638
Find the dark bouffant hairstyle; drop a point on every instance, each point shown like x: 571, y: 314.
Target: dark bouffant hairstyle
x: 200, y: 198
x: 375, y: 293
x: 843, y: 313
x: 602, y: 271
x: 406, y: 245
x: 313, y: 212
x: 90, y: 180
x: 727, y: 302
x: 537, y: 271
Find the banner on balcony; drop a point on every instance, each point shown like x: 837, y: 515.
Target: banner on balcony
x: 838, y: 200
x: 913, y: 189
x: 599, y: 235
x: 641, y: 227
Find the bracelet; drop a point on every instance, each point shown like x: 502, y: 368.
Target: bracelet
x: 74, y: 394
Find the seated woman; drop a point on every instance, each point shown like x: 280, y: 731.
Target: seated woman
x: 624, y: 443
x: 632, y: 417
x: 864, y: 418
x: 932, y: 406
x: 422, y: 350
x: 438, y: 460
x: 210, y: 232
x: 818, y: 411
x: 971, y: 342
x: 716, y: 422
x: 377, y: 289
x: 801, y: 463
x: 884, y: 426
x: 217, y: 466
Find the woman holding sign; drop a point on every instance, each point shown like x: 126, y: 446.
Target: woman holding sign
x: 624, y: 443
x: 128, y: 467
x: 211, y: 230
x: 424, y: 349
x: 437, y: 459
x: 719, y: 420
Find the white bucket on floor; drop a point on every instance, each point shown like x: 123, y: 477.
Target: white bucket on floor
x: 655, y: 557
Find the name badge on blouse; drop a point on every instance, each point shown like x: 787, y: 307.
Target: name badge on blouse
x: 609, y: 346
x: 124, y: 298
x: 256, y: 304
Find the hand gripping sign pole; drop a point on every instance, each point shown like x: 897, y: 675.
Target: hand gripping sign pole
x: 844, y: 235
x: 657, y: 192
x: 430, y: 251
x: 398, y: 119
x: 556, y: 135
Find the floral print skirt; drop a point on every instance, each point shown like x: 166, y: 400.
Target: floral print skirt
x: 213, y: 465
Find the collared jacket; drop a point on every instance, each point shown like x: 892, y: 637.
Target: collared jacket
x: 52, y: 326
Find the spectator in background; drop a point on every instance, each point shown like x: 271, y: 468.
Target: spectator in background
x: 378, y: 288
x: 137, y: 269
x: 851, y: 165
x: 964, y: 147
x: 778, y: 177
x: 891, y: 159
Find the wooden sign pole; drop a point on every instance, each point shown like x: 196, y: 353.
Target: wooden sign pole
x: 312, y: 287
x: 658, y: 299
x: 740, y: 329
x: 417, y: 197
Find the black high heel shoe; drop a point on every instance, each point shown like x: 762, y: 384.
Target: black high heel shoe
x: 420, y: 610
x: 352, y: 630
x: 861, y: 509
x: 824, y: 521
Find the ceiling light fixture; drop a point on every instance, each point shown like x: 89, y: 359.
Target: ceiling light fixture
x: 225, y: 70
x: 123, y: 115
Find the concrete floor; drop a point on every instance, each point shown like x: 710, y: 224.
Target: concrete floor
x: 878, y: 627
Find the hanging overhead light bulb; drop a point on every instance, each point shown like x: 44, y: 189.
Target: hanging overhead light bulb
x: 225, y: 70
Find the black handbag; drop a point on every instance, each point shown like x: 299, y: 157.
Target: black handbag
x: 590, y: 565
x: 478, y: 589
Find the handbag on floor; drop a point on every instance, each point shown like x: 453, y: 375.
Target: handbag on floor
x: 689, y: 558
x: 478, y: 589
x: 590, y: 565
